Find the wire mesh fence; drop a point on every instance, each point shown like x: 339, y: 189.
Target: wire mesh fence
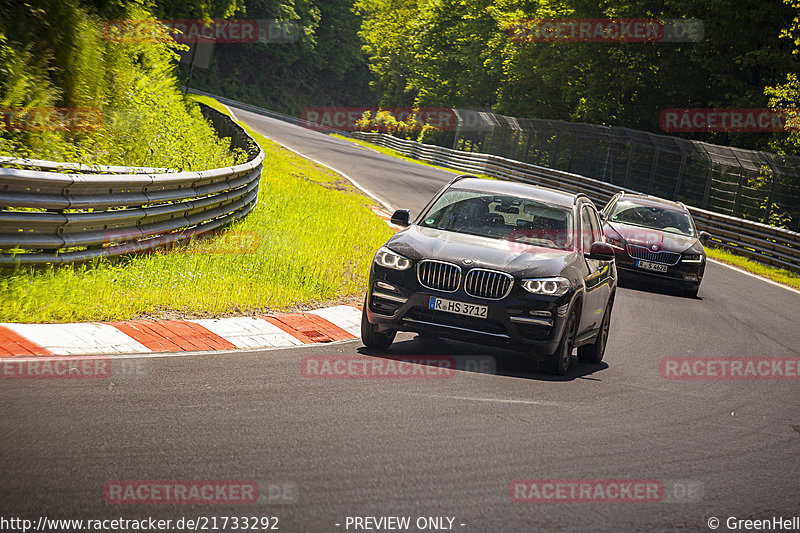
x: 743, y: 183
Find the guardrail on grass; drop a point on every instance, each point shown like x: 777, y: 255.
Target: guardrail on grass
x: 767, y: 244
x: 61, y: 212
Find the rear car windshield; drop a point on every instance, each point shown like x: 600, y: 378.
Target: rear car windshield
x: 502, y: 217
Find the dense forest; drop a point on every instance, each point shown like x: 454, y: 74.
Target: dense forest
x: 460, y: 53
x: 437, y: 53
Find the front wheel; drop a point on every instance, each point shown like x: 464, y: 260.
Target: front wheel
x: 558, y: 363
x: 593, y: 353
x: 371, y: 337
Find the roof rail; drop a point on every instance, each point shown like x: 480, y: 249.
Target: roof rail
x: 461, y: 177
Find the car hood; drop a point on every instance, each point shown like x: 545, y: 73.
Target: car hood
x: 418, y: 243
x: 655, y: 240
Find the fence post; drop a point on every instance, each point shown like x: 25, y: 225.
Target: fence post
x: 653, y: 172
x: 738, y: 195
x: 771, y: 194
x: 679, y: 181
x: 627, y: 177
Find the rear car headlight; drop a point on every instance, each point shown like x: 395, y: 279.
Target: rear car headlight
x: 691, y: 258
x: 547, y: 286
x: 389, y: 259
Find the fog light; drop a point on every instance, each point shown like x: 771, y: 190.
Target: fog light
x: 690, y: 277
x: 386, y: 286
x: 563, y: 310
x: 544, y: 314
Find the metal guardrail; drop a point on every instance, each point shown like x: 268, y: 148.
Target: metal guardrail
x: 85, y: 212
x: 767, y: 244
x: 55, y: 166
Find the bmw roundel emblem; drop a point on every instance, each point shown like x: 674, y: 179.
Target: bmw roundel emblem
x: 654, y: 247
x: 467, y: 261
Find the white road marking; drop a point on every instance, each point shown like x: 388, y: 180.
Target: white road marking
x: 79, y: 338
x: 381, y: 201
x: 248, y: 332
x: 159, y: 355
x: 762, y: 278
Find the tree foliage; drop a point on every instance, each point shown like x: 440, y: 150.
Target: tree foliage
x: 460, y: 53
x: 325, y: 67
x: 786, y: 96
x: 55, y: 54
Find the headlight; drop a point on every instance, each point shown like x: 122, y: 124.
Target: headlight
x: 547, y: 286
x: 389, y: 259
x: 691, y: 258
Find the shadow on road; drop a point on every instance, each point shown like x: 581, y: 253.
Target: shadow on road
x: 479, y: 359
x: 654, y: 286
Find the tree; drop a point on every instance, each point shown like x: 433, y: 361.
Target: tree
x: 787, y: 95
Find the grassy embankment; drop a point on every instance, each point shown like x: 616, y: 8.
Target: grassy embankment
x: 309, y: 240
x: 779, y: 275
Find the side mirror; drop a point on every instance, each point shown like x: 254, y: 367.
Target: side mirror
x: 400, y: 217
x: 601, y: 252
x: 704, y: 236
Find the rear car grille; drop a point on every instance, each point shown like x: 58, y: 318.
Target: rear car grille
x: 665, y: 258
x: 438, y: 275
x: 488, y: 284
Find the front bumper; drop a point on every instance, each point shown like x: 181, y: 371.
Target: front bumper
x: 397, y: 301
x: 684, y: 274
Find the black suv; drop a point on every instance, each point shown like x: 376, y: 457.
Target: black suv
x: 500, y: 263
x: 655, y: 239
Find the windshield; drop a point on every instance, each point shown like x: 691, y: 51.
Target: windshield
x: 502, y: 217
x: 655, y: 217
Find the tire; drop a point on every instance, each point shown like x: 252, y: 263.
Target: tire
x: 593, y: 353
x: 371, y: 337
x: 558, y: 363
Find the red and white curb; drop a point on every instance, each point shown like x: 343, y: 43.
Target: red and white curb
x: 329, y: 324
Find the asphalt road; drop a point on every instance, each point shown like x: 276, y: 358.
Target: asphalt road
x: 431, y: 447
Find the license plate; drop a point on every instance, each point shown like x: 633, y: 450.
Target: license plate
x: 655, y: 267
x: 459, y: 308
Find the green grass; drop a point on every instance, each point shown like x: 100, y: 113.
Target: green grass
x: 779, y: 275
x: 211, y: 102
x: 309, y: 241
